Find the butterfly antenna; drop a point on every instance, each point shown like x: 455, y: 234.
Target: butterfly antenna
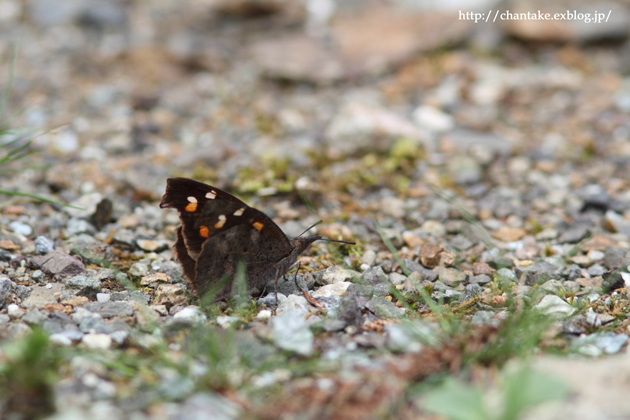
x: 312, y: 226
x: 327, y: 239
x: 339, y: 241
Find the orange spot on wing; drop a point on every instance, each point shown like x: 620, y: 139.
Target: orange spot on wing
x: 258, y: 225
x: 191, y: 207
x: 204, y: 231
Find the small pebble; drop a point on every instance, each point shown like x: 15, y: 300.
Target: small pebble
x: 103, y: 297
x: 97, y: 341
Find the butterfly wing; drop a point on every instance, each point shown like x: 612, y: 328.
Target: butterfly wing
x: 259, y: 252
x: 218, y: 231
x: 190, y: 198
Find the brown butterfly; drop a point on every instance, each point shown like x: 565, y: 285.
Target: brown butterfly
x: 219, y: 232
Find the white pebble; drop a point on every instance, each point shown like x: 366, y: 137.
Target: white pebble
x: 97, y: 341
x: 103, y: 297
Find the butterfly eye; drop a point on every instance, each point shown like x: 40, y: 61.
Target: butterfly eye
x: 204, y: 231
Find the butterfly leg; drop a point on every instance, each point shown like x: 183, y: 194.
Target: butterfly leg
x: 296, y: 273
x: 276, y: 285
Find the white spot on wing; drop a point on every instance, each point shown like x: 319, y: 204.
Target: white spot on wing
x: 211, y: 195
x: 192, y: 199
x: 221, y: 222
x: 239, y: 212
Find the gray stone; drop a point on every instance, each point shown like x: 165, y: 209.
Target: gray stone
x: 291, y: 332
x: 553, y: 286
x: 110, y: 309
x: 383, y: 308
x: 139, y: 296
x: 39, y: 297
x: 332, y: 290
x: 349, y: 310
x: 425, y: 273
x: 333, y: 324
x: 200, y: 404
x: 93, y: 325
x: 471, y: 290
x: 287, y: 286
x: 104, y: 13
x: 571, y: 286
x: 43, y: 245
x: 52, y: 326
x: 38, y: 276
x: 451, y: 276
x: 191, y: 315
x: 461, y: 242
x: 78, y: 226
x: 607, y: 343
x: 447, y: 295
x: 369, y: 257
x: 35, y: 317
x: 5, y: 292
x: 596, y: 270
x: 483, y: 279
x: 15, y: 330
x: 53, y: 12
x: 171, y: 269
x: 295, y: 304
x: 473, y: 141
x: 91, y: 250
x: 374, y: 276
x: 409, y: 337
x: 139, y: 270
x: 174, y: 294
x: 594, y: 196
x: 363, y: 293
x: 539, y: 272
x: 495, y: 259
x: 5, y: 256
x: 617, y: 222
x: 465, y: 170
x: 616, y: 257
x: 23, y: 292
x: 574, y: 234
x: 57, y: 264
x: 572, y: 272
x: 125, y: 237
x: 120, y: 296
x: 552, y: 304
x: 485, y: 318
x: 397, y: 278
x: 334, y: 274
x: 83, y: 286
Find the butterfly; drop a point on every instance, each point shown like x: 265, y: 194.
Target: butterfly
x: 219, y: 232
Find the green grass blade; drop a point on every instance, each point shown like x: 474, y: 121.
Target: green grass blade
x: 37, y: 197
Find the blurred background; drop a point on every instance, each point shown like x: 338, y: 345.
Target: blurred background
x: 256, y: 94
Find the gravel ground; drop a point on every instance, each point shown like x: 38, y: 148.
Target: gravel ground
x: 481, y: 169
